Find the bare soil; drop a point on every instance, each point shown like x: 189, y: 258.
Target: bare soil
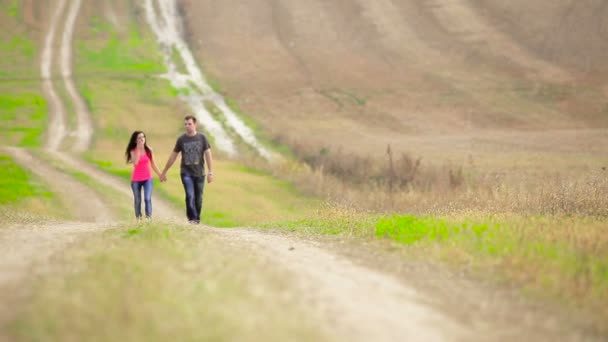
x: 359, y: 75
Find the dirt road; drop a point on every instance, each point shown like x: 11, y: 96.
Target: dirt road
x: 355, y: 299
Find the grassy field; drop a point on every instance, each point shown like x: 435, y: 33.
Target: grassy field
x: 24, y: 197
x: 22, y: 107
x: 155, y: 282
x: 562, y: 259
x: 543, y: 231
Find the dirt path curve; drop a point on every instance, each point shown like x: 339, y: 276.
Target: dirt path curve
x: 360, y: 304
x: 57, y: 130
x: 84, y: 125
x: 57, y: 116
x: 84, y: 202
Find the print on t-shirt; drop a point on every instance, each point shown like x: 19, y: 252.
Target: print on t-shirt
x: 192, y: 152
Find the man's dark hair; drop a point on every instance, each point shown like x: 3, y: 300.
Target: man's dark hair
x: 190, y: 117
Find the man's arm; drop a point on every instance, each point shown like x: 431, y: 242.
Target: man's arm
x: 209, y: 162
x: 168, y: 165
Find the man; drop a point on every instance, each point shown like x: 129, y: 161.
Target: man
x: 196, y: 152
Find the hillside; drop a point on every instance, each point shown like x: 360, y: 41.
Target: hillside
x: 439, y: 79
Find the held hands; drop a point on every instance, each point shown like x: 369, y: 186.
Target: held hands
x: 163, y: 177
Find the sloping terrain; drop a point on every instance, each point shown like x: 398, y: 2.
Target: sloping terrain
x: 358, y: 75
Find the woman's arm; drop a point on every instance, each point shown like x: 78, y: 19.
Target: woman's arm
x: 135, y: 157
x: 153, y: 163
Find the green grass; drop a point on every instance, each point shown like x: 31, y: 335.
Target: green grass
x: 24, y: 197
x: 22, y: 107
x: 119, y: 58
x: 23, y: 115
x: 13, y: 9
x: 19, y: 46
x: 330, y: 219
x: 154, y: 282
x: 410, y: 229
x: 16, y: 184
x: 561, y: 258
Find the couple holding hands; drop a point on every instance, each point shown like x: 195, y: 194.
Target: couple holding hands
x: 196, y: 152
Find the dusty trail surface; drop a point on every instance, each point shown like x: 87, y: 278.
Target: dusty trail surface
x: 360, y: 304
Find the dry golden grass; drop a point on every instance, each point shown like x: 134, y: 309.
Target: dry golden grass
x: 155, y: 282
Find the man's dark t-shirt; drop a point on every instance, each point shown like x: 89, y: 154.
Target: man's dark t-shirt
x: 192, y: 149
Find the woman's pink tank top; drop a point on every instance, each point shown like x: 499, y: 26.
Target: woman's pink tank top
x: 141, y: 172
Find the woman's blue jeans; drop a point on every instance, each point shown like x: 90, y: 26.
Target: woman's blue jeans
x: 136, y: 186
x: 193, y: 187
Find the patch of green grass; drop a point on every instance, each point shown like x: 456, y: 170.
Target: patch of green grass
x: 553, y: 257
x: 19, y: 51
x: 118, y: 58
x: 330, y: 219
x: 23, y: 116
x: 153, y: 282
x: 23, y: 197
x: 559, y: 257
x: 22, y: 108
x: 409, y: 229
x: 19, y: 45
x: 128, y: 61
x: 16, y: 184
x: 12, y: 8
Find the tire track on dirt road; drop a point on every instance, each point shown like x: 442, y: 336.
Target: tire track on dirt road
x: 57, y: 130
x: 84, y: 125
x: 57, y: 115
x: 359, y: 303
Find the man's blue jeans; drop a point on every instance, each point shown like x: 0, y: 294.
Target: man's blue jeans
x: 136, y: 186
x: 193, y: 187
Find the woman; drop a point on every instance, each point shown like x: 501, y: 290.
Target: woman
x: 141, y: 156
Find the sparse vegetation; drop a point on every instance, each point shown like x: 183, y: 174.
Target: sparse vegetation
x: 154, y: 282
x: 527, y: 210
x: 552, y: 256
x: 23, y: 197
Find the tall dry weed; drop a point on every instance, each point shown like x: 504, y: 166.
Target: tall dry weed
x: 411, y: 184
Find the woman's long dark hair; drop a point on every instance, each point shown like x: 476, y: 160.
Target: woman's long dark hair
x: 133, y: 143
